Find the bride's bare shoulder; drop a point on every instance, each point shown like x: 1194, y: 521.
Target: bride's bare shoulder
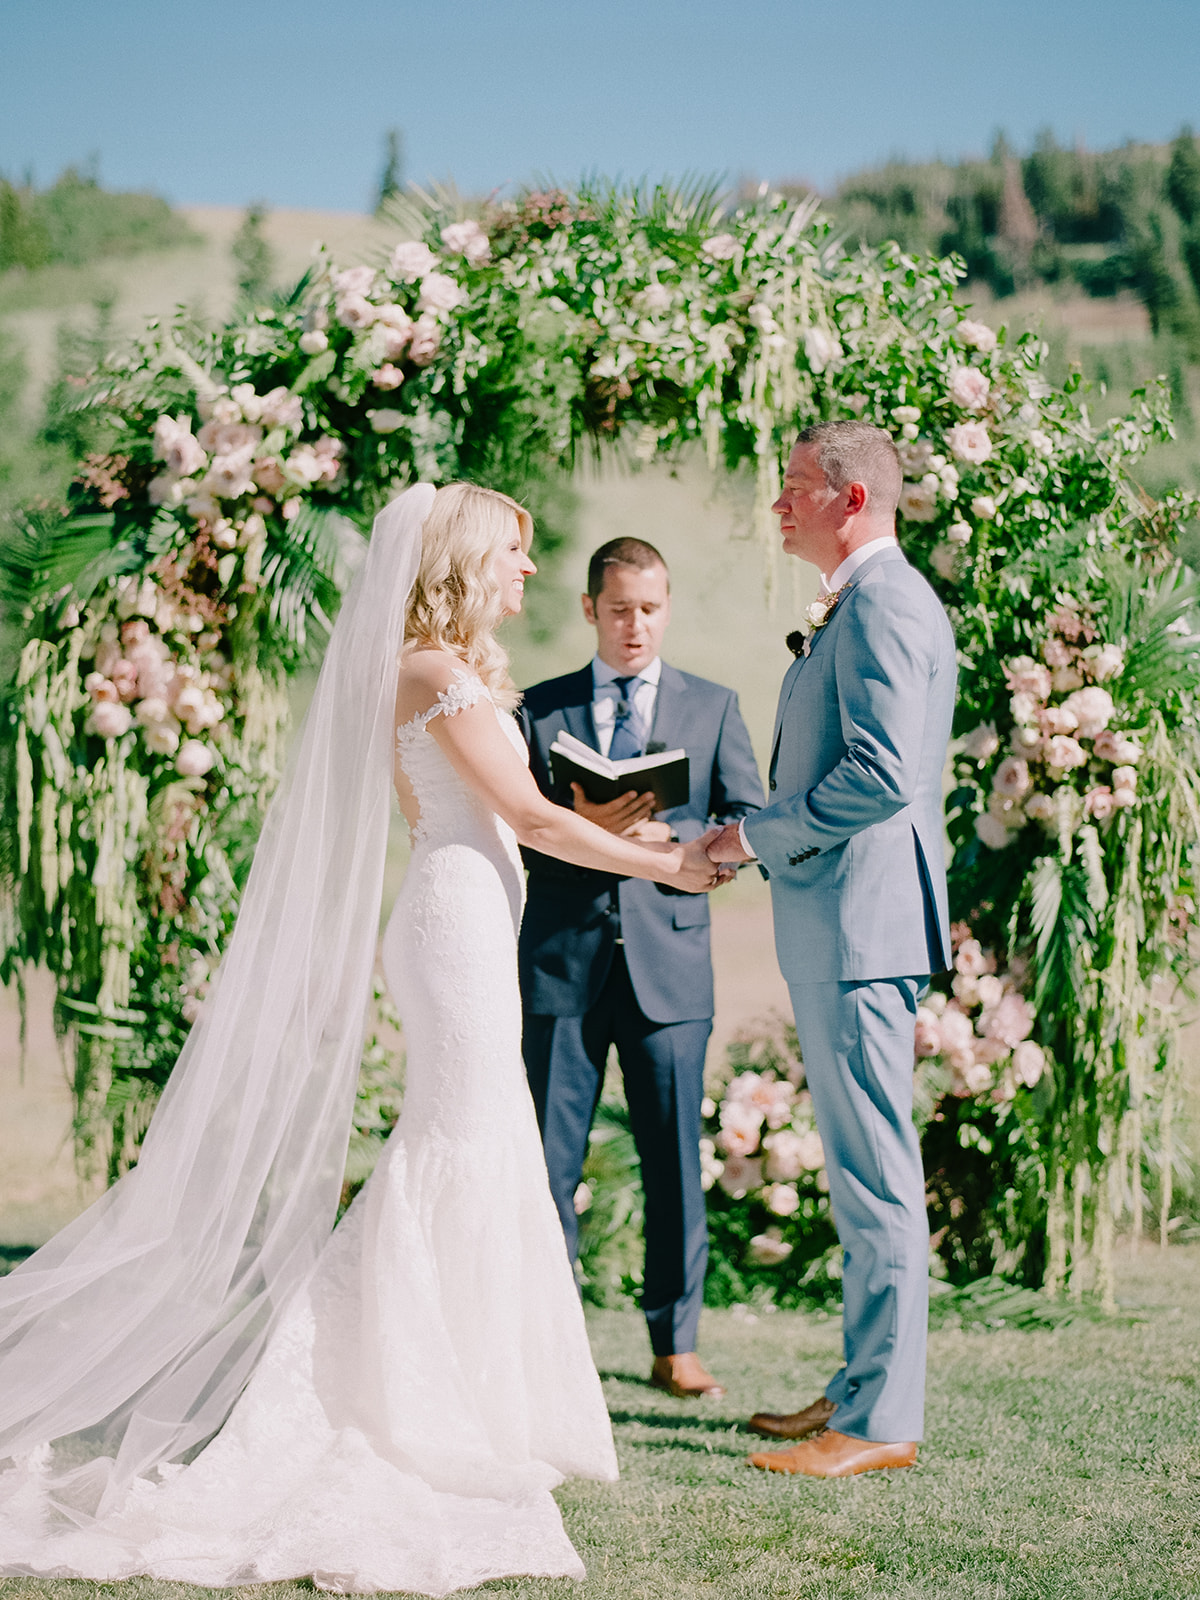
x: 425, y: 676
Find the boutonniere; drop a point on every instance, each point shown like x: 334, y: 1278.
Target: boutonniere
x: 816, y: 615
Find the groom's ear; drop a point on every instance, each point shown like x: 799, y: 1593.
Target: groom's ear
x: 856, y: 498
x: 589, y: 609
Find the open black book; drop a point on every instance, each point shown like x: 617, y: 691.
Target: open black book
x: 572, y: 761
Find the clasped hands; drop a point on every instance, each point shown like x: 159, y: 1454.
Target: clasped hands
x: 632, y: 817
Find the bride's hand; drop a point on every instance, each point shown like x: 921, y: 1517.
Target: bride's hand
x: 697, y: 873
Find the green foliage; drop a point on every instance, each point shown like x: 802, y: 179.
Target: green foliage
x: 76, y: 220
x: 252, y: 255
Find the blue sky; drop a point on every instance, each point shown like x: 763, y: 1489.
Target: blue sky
x: 225, y: 101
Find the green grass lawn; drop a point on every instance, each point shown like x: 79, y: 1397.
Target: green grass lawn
x: 1058, y: 1464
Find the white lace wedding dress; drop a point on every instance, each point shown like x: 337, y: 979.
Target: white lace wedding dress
x: 432, y: 1382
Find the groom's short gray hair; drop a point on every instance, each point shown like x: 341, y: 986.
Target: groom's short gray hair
x: 858, y: 452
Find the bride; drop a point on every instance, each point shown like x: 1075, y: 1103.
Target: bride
x: 198, y: 1380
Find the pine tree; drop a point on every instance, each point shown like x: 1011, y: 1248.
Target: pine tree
x: 252, y: 254
x: 391, y: 181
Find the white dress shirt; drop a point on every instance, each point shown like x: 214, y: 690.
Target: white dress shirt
x: 605, y: 695
x: 841, y: 574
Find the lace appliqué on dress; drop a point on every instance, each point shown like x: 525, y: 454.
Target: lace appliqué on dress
x: 466, y: 690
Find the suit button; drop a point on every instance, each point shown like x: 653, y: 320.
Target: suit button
x: 772, y: 783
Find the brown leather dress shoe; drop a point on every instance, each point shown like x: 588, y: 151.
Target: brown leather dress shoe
x: 836, y: 1455
x: 795, y: 1424
x: 685, y: 1376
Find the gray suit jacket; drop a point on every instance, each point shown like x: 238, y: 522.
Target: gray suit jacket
x: 852, y: 834
x: 573, y: 915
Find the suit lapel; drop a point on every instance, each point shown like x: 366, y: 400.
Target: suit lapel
x: 576, y: 710
x: 880, y: 558
x: 668, y: 708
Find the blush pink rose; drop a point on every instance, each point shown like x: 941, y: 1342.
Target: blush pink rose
x: 969, y: 388
x: 1093, y: 708
x: 969, y: 441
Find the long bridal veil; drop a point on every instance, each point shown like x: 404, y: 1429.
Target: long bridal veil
x: 127, y: 1338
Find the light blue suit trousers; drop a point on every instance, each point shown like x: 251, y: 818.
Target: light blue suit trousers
x: 851, y: 839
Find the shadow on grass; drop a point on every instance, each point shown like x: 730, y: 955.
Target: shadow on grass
x: 657, y: 1419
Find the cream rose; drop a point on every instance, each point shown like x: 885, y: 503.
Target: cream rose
x: 384, y: 421
x: 411, y: 260
x: 969, y: 388
x: 1012, y: 778
x: 781, y: 1199
x: 984, y: 507
x: 982, y: 743
x: 969, y: 441
x: 720, y: 247
x: 314, y: 342
x: 439, y: 292
x: 466, y: 239
x: 918, y: 501
x: 976, y: 335
x: 1093, y: 708
x: 194, y: 759
x: 1064, y: 753
x: 991, y: 832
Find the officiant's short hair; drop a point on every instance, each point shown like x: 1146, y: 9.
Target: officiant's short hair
x: 858, y: 452
x: 624, y: 552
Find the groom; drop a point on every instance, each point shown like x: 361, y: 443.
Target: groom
x: 620, y: 962
x: 851, y: 840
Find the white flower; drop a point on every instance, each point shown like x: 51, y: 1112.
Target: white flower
x: 1012, y: 778
x: 354, y: 311
x: 282, y: 409
x: 1041, y: 442
x: 439, y: 292
x: 1019, y: 487
x: 1067, y: 678
x: 1124, y: 796
x: 304, y: 466
x: 1029, y: 1062
x: 989, y: 989
x: 385, y: 421
x: 982, y: 743
x: 821, y: 348
x: 1093, y: 708
x: 223, y: 438
x: 1105, y: 661
x: 466, y: 239
x: 1024, y: 675
x: 976, y: 1078
x: 991, y: 832
x: 1115, y: 747
x: 110, y: 719
x: 957, y: 1031
x: 918, y: 501
x: 984, y: 507
x: 426, y: 340
x: 162, y: 738
x: 177, y: 446
x: 1063, y: 753
x: 969, y: 441
x: 782, y: 1199
x: 1099, y: 803
x: 969, y: 388
x: 354, y: 280
x: 740, y: 1174
x: 194, y: 759
x: 948, y: 474
x: 224, y: 534
x: 817, y: 613
x: 411, y: 260
x: 1009, y: 1021
x: 976, y: 335
x: 224, y: 408
x: 944, y: 560
x: 165, y: 490
x: 393, y: 330
x: 916, y: 456
x: 765, y: 1250
x: 1124, y: 777
x: 761, y: 317
x: 247, y: 401
x: 740, y: 1125
x: 313, y: 342
x: 228, y: 476
x: 582, y: 1199
x: 907, y: 414
x: 387, y: 376
x: 928, y: 1036
x: 1039, y: 808
x: 959, y: 533
x: 721, y: 247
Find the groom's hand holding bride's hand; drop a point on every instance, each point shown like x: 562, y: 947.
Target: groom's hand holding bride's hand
x: 699, y: 872
x: 725, y: 845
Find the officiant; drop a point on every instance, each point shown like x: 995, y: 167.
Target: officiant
x: 609, y: 961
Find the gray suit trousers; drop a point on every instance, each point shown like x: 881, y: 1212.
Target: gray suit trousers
x: 857, y: 1043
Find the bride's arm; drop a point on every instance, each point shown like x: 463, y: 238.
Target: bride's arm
x: 476, y: 746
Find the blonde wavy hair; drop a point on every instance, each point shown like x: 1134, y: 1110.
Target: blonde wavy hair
x: 456, y: 602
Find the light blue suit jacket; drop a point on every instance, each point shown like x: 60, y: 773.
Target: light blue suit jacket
x: 852, y: 833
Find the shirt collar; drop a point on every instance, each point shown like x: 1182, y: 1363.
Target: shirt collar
x: 854, y: 560
x: 603, y: 674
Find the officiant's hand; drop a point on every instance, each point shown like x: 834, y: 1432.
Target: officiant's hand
x: 621, y: 815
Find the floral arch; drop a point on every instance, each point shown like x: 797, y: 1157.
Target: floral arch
x: 199, y: 556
